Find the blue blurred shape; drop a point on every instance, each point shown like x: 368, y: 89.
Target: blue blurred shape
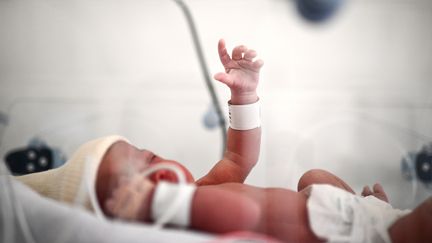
x: 318, y: 10
x: 211, y: 119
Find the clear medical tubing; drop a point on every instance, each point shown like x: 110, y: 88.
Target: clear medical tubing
x: 87, y: 188
x: 205, y: 70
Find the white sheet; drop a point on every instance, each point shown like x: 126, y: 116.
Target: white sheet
x: 50, y: 221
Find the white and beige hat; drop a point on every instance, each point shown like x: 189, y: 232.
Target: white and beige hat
x: 75, y: 181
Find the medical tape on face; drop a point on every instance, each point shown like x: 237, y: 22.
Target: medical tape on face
x: 244, y: 117
x: 172, y: 204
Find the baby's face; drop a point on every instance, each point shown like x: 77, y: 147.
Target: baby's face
x: 123, y: 161
x: 127, y: 160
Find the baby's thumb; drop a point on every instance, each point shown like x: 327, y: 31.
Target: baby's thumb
x: 223, y: 78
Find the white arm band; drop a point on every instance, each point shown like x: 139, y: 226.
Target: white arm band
x: 245, y: 117
x: 172, y: 203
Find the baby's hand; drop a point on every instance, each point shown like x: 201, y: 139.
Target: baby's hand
x: 130, y: 200
x: 241, y: 72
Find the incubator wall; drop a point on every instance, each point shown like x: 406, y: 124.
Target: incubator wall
x: 351, y: 96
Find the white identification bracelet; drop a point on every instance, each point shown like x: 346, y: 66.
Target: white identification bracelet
x: 245, y: 117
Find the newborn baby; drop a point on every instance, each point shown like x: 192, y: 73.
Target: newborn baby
x: 125, y: 182
x: 317, y: 213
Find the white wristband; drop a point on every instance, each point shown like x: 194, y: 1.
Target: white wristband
x: 245, y: 117
x: 172, y: 203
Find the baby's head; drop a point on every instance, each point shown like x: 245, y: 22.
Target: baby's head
x: 123, y: 161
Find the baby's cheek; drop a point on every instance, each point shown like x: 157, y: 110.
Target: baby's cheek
x: 124, y: 202
x: 112, y: 204
x: 109, y: 206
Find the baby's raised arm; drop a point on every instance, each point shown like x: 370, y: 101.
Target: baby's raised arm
x: 243, y: 141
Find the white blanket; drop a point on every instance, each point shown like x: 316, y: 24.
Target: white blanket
x: 27, y: 217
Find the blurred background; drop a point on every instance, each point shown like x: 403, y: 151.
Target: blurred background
x: 348, y: 91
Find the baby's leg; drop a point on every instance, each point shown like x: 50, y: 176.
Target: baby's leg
x: 317, y: 176
x: 414, y: 227
x: 377, y: 192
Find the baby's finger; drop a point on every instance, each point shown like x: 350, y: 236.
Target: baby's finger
x: 223, y: 53
x: 237, y: 53
x: 223, y: 78
x: 250, y: 55
x: 258, y: 64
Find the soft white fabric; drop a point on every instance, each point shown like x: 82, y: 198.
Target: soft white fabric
x: 27, y: 217
x: 339, y: 216
x: 172, y: 203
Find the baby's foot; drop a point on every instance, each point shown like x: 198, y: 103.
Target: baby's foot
x: 377, y: 192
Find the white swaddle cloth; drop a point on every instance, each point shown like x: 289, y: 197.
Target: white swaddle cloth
x: 339, y: 216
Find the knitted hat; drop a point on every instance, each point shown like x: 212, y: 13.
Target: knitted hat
x: 75, y: 181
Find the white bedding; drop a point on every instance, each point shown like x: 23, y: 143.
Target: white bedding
x: 50, y: 221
